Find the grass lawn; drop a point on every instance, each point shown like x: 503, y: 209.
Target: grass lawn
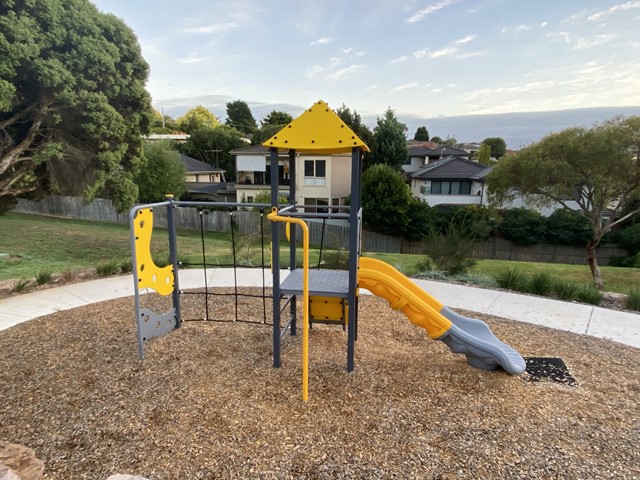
x: 30, y: 244
x: 616, y: 279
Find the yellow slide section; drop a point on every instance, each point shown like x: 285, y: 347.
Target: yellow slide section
x: 422, y: 309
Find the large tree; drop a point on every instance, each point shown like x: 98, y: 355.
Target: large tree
x: 271, y: 124
x: 354, y: 122
x: 498, y: 146
x: 164, y: 173
x: 195, y: 118
x: 212, y: 145
x: 276, y: 117
x: 73, y: 103
x: 385, y: 200
x: 239, y: 116
x: 422, y: 134
x: 592, y: 171
x: 390, y: 141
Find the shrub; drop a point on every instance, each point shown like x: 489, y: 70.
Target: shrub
x: 565, y: 289
x: 335, y: 259
x: 632, y: 299
x: 126, y: 266
x: 523, y: 227
x: 43, y: 277
x: 426, y: 265
x: 451, y: 251
x: 473, y: 221
x: 159, y: 260
x: 477, y: 279
x: 512, y: 279
x: 566, y: 227
x: 629, y: 238
x: 587, y: 293
x: 20, y: 285
x: 540, y: 283
x: 107, y: 268
x: 423, y: 221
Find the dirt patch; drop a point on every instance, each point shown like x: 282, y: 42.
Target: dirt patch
x: 206, y: 402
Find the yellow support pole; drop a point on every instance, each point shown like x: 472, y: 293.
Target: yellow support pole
x: 274, y: 217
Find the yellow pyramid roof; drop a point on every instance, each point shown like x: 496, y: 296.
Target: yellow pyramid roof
x: 317, y: 130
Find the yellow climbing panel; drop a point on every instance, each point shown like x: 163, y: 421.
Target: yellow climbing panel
x: 149, y: 274
x: 317, y: 130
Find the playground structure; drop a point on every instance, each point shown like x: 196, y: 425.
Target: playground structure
x: 327, y: 296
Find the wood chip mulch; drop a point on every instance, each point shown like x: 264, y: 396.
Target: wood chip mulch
x: 206, y: 402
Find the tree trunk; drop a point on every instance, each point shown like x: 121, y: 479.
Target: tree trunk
x: 593, y: 263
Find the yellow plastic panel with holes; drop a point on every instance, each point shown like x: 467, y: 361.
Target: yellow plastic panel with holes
x: 149, y: 274
x: 317, y: 130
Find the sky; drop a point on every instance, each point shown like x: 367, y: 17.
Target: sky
x: 429, y: 59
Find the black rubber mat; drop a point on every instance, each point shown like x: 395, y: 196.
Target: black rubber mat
x: 549, y: 369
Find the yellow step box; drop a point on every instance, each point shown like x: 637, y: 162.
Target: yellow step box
x: 328, y: 310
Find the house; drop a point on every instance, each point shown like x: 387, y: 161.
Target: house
x: 204, y: 182
x: 426, y: 153
x: 452, y: 180
x: 168, y: 137
x: 322, y: 180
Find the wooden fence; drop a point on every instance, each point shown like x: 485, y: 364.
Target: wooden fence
x: 330, y: 235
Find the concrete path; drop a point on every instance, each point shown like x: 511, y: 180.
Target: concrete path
x: 623, y: 327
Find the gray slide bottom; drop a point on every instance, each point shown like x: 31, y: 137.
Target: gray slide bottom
x: 474, y: 339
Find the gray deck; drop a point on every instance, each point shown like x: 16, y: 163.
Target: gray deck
x: 328, y: 283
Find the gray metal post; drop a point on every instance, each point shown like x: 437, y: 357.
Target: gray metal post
x: 356, y: 159
x: 275, y: 258
x: 292, y: 239
x: 173, y: 259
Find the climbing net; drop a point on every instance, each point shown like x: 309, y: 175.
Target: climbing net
x: 212, y: 295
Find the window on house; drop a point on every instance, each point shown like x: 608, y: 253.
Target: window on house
x: 450, y: 187
x: 311, y: 205
x: 315, y: 172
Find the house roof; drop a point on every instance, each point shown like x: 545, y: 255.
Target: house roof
x: 194, y: 165
x: 317, y: 130
x: 452, y: 168
x: 254, y: 149
x: 437, y: 152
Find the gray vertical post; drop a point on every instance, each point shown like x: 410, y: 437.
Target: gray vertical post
x: 353, y: 255
x: 292, y: 239
x: 275, y: 258
x: 173, y: 259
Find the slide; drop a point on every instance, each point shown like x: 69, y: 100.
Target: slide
x: 468, y: 336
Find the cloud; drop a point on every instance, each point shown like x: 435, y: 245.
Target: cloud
x: 465, y: 39
x: 191, y: 59
x: 395, y: 61
x: 515, y: 30
x: 544, y: 24
x: 347, y: 50
x: 594, y: 41
x: 346, y: 72
x: 477, y: 53
x: 580, y: 43
x: 321, y: 41
x: 213, y: 28
x: 611, y: 10
x: 434, y: 7
x: 399, y: 88
x: 450, y: 50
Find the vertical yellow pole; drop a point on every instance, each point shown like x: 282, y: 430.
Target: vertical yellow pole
x: 274, y: 217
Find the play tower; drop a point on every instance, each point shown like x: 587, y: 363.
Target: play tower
x: 332, y: 293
